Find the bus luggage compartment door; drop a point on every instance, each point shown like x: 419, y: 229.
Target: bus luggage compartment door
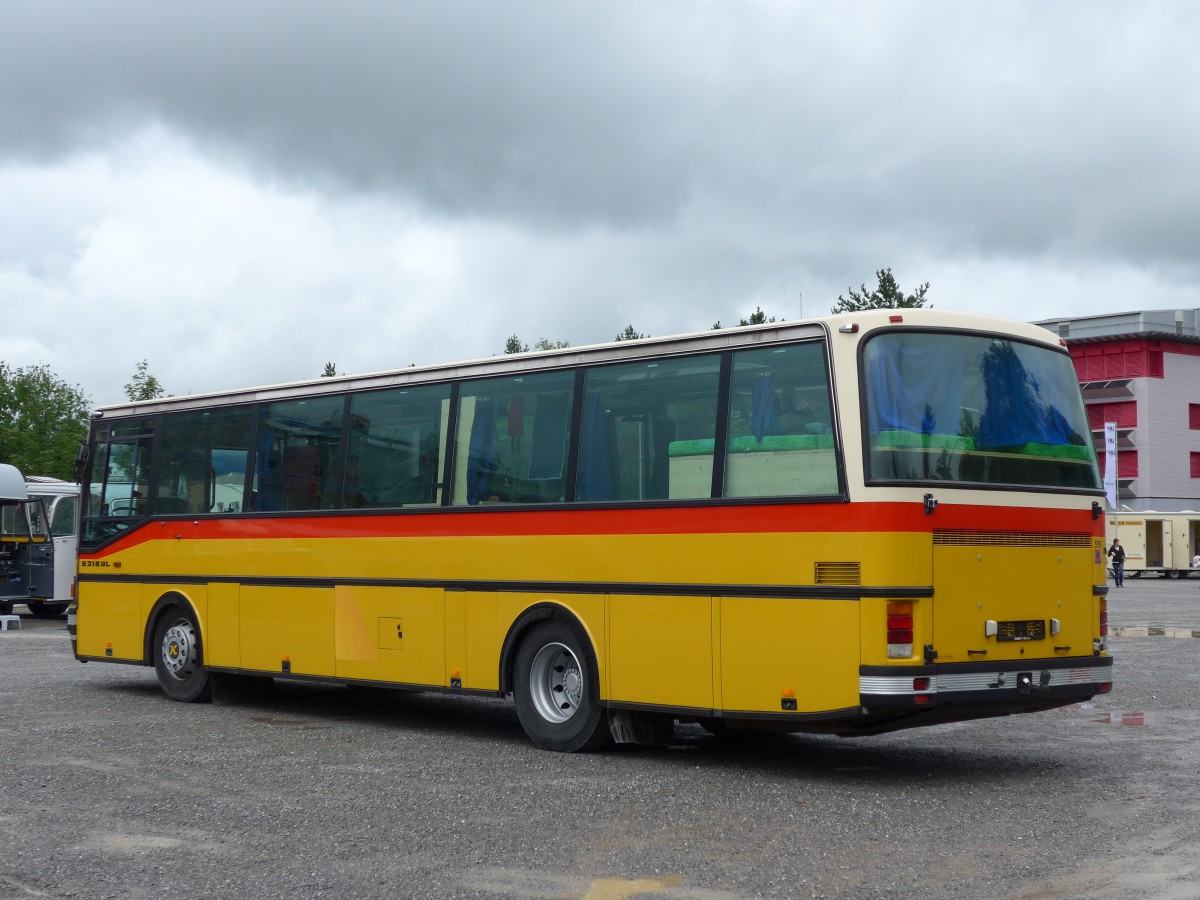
x: 1012, y: 602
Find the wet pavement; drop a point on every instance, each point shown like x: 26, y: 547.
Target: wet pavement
x: 109, y: 790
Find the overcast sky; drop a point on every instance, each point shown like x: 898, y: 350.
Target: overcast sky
x: 239, y: 193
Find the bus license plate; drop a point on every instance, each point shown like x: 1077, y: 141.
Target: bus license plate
x: 1021, y: 630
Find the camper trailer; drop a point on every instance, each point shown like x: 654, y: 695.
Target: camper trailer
x: 1159, y: 543
x: 26, y: 546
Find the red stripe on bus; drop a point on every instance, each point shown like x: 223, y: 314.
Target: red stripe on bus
x: 764, y: 519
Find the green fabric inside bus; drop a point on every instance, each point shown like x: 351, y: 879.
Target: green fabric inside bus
x: 925, y: 441
x: 965, y: 444
x: 1057, y: 451
x: 747, y: 444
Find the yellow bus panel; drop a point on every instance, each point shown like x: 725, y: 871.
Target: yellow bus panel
x: 287, y: 629
x: 772, y: 649
x: 222, y: 630
x: 389, y: 634
x: 110, y: 621
x: 660, y: 650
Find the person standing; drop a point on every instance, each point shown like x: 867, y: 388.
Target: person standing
x: 1117, y: 553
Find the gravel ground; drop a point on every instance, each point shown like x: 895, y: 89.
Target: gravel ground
x: 110, y: 790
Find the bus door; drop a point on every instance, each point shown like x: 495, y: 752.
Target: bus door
x: 1005, y: 597
x: 26, y: 552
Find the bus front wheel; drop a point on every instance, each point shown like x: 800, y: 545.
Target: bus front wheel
x: 556, y: 688
x: 178, y: 658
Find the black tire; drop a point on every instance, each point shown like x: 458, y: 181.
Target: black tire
x: 1173, y: 573
x: 179, y: 657
x: 556, y: 687
x: 48, y: 610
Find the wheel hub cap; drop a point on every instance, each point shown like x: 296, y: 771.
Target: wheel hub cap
x: 179, y: 650
x: 556, y: 683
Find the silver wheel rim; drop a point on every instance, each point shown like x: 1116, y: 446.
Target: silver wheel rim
x: 179, y: 651
x: 556, y: 683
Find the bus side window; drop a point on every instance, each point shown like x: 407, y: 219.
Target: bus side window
x: 780, y: 441
x: 512, y: 439
x: 397, y: 444
x: 648, y: 430
x: 202, y: 461
x: 296, y: 452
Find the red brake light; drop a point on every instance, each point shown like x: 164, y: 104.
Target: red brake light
x: 899, y: 630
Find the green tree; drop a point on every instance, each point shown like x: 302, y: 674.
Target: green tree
x: 144, y: 386
x: 630, y: 334
x: 42, y: 421
x: 547, y: 344
x: 330, y: 370
x: 758, y: 317
x: 887, y: 295
x: 514, y: 345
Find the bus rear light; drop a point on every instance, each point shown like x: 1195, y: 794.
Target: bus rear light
x: 923, y: 698
x: 899, y: 630
x: 1105, y: 687
x: 1103, y: 617
x: 921, y: 684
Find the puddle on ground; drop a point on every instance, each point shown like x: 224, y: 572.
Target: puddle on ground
x: 1135, y: 631
x: 1135, y: 719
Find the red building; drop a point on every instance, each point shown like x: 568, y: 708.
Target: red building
x: 1141, y: 370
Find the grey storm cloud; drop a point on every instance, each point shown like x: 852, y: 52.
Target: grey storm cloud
x: 451, y: 172
x: 1043, y: 117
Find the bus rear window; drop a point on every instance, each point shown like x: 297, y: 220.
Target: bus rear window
x: 976, y: 410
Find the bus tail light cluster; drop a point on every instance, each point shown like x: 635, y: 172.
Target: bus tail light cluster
x: 899, y: 630
x: 1104, y: 617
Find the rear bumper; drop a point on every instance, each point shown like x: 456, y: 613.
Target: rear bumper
x: 1001, y: 683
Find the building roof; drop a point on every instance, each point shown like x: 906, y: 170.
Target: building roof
x: 1181, y: 325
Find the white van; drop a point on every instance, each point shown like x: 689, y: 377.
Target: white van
x: 26, y: 547
x: 61, y: 499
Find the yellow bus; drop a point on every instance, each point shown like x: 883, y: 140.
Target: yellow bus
x: 851, y: 524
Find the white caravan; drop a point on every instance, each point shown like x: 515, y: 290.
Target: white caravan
x: 1159, y: 542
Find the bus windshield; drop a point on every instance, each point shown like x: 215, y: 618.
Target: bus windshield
x: 974, y: 409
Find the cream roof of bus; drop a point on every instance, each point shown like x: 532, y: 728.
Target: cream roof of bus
x: 621, y: 351
x: 12, y: 484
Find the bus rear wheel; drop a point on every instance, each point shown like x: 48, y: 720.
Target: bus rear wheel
x: 556, y: 688
x: 178, y: 657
